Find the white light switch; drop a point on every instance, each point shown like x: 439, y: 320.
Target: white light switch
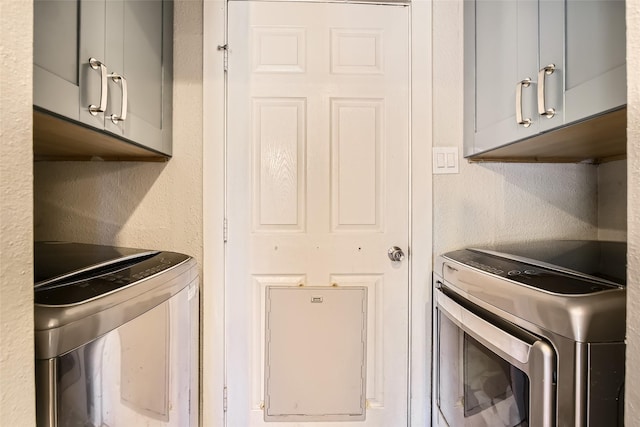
x: 445, y: 160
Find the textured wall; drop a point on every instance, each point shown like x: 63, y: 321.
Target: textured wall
x: 17, y: 404
x: 632, y: 407
x: 497, y: 202
x: 612, y: 201
x: 151, y: 205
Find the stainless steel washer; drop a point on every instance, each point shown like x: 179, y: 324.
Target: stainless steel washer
x: 116, y: 336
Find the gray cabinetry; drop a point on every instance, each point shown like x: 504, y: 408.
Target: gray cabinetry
x: 106, y: 65
x: 535, y: 67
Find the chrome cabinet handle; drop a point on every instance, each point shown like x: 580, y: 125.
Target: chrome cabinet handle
x: 123, y: 109
x: 542, y: 75
x: 95, y: 64
x: 395, y: 253
x: 521, y: 84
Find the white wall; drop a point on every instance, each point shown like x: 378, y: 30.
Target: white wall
x: 17, y: 400
x: 632, y: 406
x: 150, y: 205
x: 612, y: 201
x: 493, y: 202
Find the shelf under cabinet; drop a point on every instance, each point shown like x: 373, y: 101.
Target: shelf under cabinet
x: 56, y: 138
x: 597, y: 140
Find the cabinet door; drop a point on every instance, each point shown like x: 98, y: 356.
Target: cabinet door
x: 595, y: 58
x: 66, y: 35
x: 500, y: 50
x: 139, y: 48
x: 56, y: 80
x: 91, y: 45
x: 552, y: 66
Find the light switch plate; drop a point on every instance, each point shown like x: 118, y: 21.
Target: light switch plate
x: 445, y: 160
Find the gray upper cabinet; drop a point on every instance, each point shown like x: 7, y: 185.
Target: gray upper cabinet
x: 106, y: 65
x: 534, y: 70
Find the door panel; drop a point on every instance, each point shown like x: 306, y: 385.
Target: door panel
x: 505, y: 36
x: 317, y: 182
x: 55, y: 56
x: 279, y: 175
x: 596, y: 58
x: 552, y: 38
x: 356, y: 139
x: 136, y: 49
x: 145, y: 66
x: 92, y: 45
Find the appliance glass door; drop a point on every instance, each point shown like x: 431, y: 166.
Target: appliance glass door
x: 483, y: 373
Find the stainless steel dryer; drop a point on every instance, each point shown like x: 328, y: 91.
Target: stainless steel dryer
x: 116, y: 336
x: 530, y: 335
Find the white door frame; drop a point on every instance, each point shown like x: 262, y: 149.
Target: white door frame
x: 214, y: 197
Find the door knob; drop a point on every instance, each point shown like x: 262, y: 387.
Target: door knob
x: 395, y: 253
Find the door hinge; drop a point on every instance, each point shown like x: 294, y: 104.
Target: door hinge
x: 225, y: 49
x: 224, y: 399
x: 225, y: 230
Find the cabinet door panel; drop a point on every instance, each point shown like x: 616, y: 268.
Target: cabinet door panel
x: 137, y: 36
x: 504, y: 32
x: 596, y: 57
x: 91, y: 45
x: 527, y: 46
x: 55, y: 56
x: 115, y: 42
x: 496, y: 61
x: 552, y: 52
x: 143, y: 59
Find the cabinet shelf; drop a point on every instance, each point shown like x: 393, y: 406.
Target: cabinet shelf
x: 56, y: 138
x: 597, y: 140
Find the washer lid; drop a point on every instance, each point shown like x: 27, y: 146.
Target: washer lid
x: 56, y: 261
x: 557, y: 287
x: 592, y: 258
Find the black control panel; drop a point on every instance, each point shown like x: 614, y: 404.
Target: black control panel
x: 530, y: 274
x: 98, y: 282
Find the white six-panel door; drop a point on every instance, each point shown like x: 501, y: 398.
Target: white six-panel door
x: 317, y: 183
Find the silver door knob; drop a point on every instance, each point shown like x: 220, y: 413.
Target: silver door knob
x: 395, y: 253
